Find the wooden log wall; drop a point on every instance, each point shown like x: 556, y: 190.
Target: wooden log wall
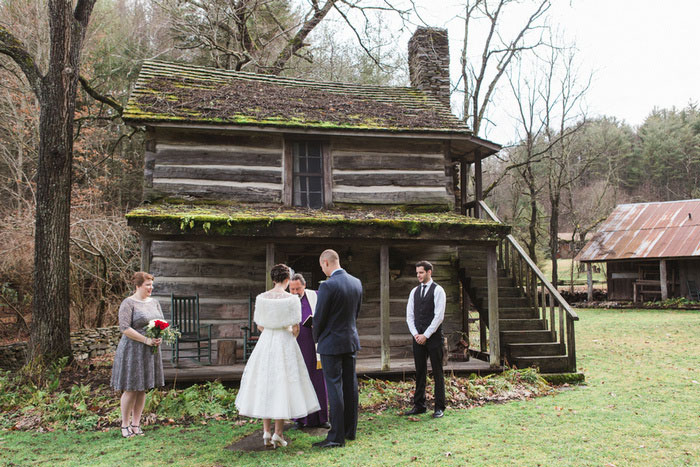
x: 223, y: 274
x: 389, y: 171
x: 213, y: 166
x: 402, y: 272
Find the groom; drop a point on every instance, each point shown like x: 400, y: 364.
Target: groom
x: 335, y: 331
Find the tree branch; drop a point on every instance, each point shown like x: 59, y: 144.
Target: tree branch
x: 297, y: 42
x: 92, y: 92
x: 15, y: 49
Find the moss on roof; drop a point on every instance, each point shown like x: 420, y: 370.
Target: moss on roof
x: 265, y: 220
x: 167, y: 92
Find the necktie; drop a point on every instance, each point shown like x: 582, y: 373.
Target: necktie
x: 422, y: 291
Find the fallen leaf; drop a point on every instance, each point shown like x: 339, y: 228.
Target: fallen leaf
x: 414, y: 419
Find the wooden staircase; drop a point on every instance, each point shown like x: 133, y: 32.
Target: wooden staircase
x: 528, y: 307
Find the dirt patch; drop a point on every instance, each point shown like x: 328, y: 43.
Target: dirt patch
x: 253, y: 442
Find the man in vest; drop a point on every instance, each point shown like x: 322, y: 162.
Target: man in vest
x: 424, y: 314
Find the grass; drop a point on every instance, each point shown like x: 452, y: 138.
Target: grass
x: 640, y: 407
x: 564, y: 273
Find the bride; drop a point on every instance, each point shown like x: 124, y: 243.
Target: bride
x: 275, y: 384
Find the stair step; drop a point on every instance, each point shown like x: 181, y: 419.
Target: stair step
x: 546, y: 364
x: 521, y: 324
x: 513, y: 337
x: 517, y: 313
x: 527, y: 350
x: 513, y: 302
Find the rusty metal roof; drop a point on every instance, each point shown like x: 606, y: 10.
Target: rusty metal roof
x: 647, y: 230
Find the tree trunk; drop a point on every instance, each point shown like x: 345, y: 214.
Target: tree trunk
x: 50, y: 336
x: 554, y: 240
x: 532, y: 226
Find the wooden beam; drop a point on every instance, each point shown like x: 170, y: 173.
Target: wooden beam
x: 463, y: 186
x: 327, y: 158
x: 287, y: 173
x: 145, y: 254
x: 589, y: 279
x: 269, y: 262
x: 478, y: 184
x: 384, y: 296
x: 494, y: 332
x: 664, y: 279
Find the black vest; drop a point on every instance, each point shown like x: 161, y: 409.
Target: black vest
x: 424, y: 310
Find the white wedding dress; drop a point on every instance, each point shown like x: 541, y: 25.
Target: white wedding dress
x: 275, y: 383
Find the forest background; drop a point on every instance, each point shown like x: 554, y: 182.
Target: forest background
x: 565, y: 172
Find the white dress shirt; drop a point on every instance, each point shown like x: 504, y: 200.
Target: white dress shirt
x: 440, y: 300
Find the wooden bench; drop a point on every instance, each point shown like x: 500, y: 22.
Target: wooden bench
x: 642, y: 287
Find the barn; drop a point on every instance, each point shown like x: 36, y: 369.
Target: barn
x: 651, y: 250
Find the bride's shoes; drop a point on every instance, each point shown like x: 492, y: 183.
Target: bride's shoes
x: 278, y: 441
x: 266, y: 438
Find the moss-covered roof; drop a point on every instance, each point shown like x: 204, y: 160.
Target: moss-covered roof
x: 179, y: 93
x: 285, y: 222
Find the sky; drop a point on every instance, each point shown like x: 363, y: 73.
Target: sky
x: 642, y: 54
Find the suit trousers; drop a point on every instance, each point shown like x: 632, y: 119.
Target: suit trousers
x: 341, y: 382
x: 431, y: 349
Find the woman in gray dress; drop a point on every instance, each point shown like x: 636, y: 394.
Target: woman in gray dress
x: 136, y: 368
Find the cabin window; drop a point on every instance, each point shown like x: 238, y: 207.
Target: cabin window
x: 306, y: 174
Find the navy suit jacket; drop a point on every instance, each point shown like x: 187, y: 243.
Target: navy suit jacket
x: 335, y: 317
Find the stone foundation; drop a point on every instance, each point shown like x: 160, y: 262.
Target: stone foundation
x: 86, y: 343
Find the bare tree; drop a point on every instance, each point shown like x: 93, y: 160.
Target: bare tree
x: 564, y: 116
x: 56, y: 91
x: 261, y: 35
x: 479, y: 78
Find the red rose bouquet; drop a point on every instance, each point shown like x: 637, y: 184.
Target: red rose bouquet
x: 159, y: 329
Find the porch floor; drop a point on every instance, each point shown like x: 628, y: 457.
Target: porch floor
x: 192, y: 372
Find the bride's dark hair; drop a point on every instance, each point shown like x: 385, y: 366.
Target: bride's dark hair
x: 279, y: 273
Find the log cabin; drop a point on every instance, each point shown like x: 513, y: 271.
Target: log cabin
x: 244, y: 170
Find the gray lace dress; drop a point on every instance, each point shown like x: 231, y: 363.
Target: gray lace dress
x: 136, y: 367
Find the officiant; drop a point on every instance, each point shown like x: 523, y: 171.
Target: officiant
x: 305, y: 339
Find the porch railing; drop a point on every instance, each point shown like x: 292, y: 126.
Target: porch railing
x: 542, y: 295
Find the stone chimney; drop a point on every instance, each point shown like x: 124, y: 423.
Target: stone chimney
x: 429, y: 62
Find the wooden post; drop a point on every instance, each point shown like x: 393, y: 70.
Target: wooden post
x: 463, y: 186
x: 571, y: 344
x: 478, y: 184
x: 226, y: 351
x: 384, y: 308
x: 664, y: 279
x: 145, y: 254
x: 589, y: 279
x: 494, y: 333
x: 269, y: 262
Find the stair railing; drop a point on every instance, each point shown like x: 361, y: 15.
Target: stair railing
x: 542, y: 295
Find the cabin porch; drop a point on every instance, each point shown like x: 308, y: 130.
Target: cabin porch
x: 223, y: 254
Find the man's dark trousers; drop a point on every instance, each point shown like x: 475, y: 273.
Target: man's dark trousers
x: 431, y: 349
x: 341, y: 383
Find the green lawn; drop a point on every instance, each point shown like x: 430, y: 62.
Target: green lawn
x: 640, y: 407
x: 564, y: 273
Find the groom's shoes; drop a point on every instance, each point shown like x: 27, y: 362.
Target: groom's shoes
x: 415, y: 411
x: 327, y: 444
x: 438, y: 414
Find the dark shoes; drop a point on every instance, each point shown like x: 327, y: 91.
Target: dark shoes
x: 327, y: 444
x: 438, y: 414
x: 298, y: 425
x: 326, y: 425
x: 415, y: 411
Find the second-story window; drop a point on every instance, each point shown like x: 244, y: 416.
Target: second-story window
x: 307, y: 160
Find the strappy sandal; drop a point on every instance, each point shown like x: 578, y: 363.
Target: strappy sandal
x: 128, y: 433
x: 136, y: 430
